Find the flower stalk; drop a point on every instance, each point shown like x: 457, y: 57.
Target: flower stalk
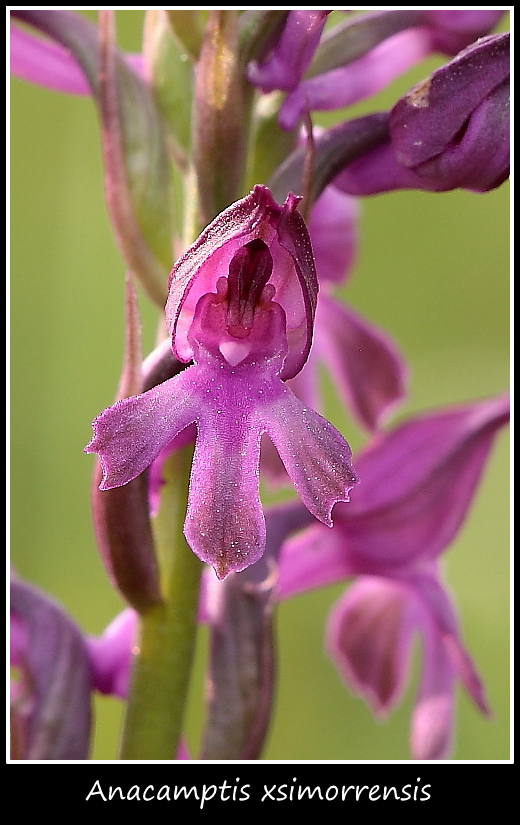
x: 163, y: 659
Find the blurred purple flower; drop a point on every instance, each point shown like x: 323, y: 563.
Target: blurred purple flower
x: 418, y: 482
x: 450, y: 131
x: 51, y: 701
x: 355, y: 59
x: 244, y: 345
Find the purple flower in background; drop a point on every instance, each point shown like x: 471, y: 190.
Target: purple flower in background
x: 369, y: 636
x: 245, y: 340
x: 359, y: 80
x: 360, y: 56
x: 50, y: 702
x: 418, y: 482
x: 451, y: 130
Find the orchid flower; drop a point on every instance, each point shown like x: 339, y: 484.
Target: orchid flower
x: 435, y: 145
x: 419, y: 480
x: 51, y: 701
x: 244, y: 344
x: 359, y: 57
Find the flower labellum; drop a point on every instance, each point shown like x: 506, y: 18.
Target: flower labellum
x: 241, y: 307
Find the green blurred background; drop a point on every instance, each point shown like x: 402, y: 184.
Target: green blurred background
x: 432, y: 270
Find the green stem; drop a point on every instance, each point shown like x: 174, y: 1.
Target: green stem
x: 161, y: 672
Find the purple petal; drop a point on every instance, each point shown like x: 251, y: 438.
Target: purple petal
x: 333, y: 231
x: 437, y: 601
x: 470, y: 166
x: 47, y: 64
x: 369, y: 635
x: 293, y: 52
x: 414, y: 452
x: 305, y: 387
x: 432, y: 719
x: 315, y: 455
x: 450, y: 131
x: 369, y: 638
x: 129, y: 435
x: 293, y: 237
x: 359, y: 80
x: 367, y: 368
x: 314, y: 559
x: 479, y: 160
